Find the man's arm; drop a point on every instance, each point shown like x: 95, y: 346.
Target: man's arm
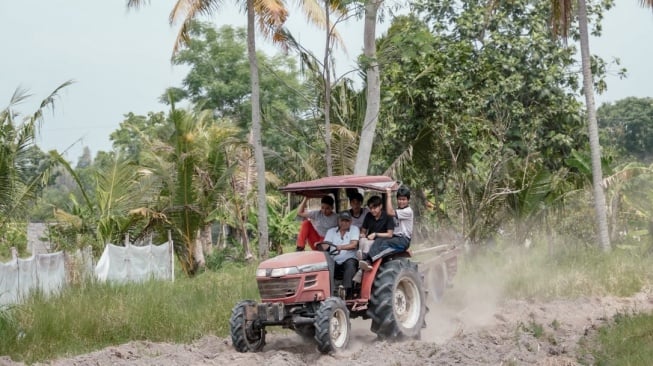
x: 386, y: 234
x: 389, y: 230
x: 363, y: 228
x: 388, y: 203
x: 353, y: 244
x: 301, y: 210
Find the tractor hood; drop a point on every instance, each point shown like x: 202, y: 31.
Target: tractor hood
x: 293, y: 263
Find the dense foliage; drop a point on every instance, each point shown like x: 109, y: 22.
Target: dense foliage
x: 480, y: 115
x: 487, y: 108
x: 627, y: 127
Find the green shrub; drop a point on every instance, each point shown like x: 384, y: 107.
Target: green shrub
x: 627, y: 341
x: 13, y: 234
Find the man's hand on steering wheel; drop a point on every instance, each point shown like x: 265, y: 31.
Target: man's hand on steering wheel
x: 327, y: 246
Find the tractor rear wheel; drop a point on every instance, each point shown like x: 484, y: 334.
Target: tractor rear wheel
x: 332, y: 325
x: 397, y: 303
x: 245, y: 336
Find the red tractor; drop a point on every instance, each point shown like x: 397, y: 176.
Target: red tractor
x: 301, y: 291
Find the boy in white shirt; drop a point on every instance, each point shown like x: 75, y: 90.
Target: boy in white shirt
x: 400, y: 240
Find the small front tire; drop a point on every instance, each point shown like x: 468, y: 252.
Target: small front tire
x: 332, y: 326
x: 245, y: 336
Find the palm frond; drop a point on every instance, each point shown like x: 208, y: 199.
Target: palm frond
x: 272, y: 15
x: 186, y: 11
x: 344, y: 148
x: 394, y: 170
x: 315, y: 14
x: 628, y: 172
x: 60, y: 159
x: 136, y: 4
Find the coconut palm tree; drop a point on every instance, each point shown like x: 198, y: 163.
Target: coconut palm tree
x: 119, y: 189
x: 16, y: 139
x: 373, y: 88
x: 272, y: 15
x: 191, y: 171
x: 561, y: 20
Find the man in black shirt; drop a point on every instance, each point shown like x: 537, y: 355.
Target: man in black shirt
x: 376, y: 225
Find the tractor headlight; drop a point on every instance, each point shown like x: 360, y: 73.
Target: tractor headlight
x: 314, y: 267
x: 279, y: 272
x: 285, y: 271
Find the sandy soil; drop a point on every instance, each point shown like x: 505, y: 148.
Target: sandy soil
x: 484, y: 332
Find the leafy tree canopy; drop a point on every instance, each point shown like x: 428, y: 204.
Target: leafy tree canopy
x: 485, y: 101
x: 627, y: 128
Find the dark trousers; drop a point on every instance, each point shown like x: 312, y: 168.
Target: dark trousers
x: 348, y: 269
x: 385, y: 246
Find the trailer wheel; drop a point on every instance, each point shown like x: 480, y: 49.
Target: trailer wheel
x: 397, y: 303
x: 245, y: 335
x: 332, y: 325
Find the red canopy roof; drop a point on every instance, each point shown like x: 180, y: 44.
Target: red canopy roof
x: 320, y: 186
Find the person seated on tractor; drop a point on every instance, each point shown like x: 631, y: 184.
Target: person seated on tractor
x: 399, y: 241
x: 345, y: 238
x: 356, y: 210
x: 317, y: 222
x: 377, y: 224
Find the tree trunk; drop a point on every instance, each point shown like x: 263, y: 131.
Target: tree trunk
x: 614, y: 205
x: 595, y: 148
x: 198, y: 251
x: 373, y: 89
x: 256, y: 134
x: 327, y: 93
x: 207, y: 239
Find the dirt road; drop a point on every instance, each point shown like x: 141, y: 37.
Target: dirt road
x: 483, y: 332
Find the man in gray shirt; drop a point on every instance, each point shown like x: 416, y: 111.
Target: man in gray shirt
x: 317, y: 222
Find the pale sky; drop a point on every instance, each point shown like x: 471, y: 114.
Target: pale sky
x: 120, y: 60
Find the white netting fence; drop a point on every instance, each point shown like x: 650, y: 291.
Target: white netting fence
x: 19, y: 277
x: 50, y: 272
x: 132, y: 264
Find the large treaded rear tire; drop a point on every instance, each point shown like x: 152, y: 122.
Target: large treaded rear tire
x: 332, y: 325
x: 243, y: 335
x: 398, y: 302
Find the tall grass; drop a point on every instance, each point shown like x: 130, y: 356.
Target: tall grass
x: 566, y: 271
x: 562, y: 270
x: 628, y: 341
x: 91, y: 316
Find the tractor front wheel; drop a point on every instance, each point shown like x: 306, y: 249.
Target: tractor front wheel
x: 332, y: 325
x: 245, y: 335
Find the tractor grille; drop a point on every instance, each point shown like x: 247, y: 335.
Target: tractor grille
x: 276, y: 288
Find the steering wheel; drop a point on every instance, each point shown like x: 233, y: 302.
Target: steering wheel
x: 327, y: 246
